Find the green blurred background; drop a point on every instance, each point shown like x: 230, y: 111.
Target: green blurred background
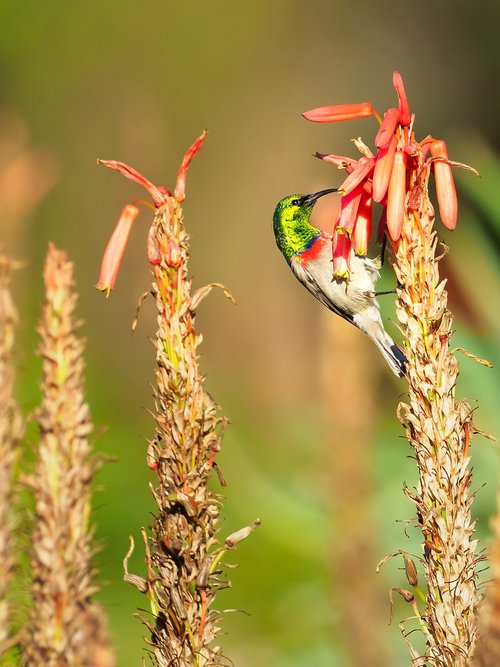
x: 138, y: 82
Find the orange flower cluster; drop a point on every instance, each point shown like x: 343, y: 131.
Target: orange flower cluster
x: 115, y: 248
x: 385, y: 178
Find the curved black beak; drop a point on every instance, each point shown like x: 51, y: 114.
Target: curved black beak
x: 308, y: 200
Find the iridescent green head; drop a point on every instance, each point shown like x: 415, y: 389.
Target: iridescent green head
x: 291, y: 222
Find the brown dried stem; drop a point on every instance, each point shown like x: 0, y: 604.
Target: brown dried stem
x: 183, y: 571
x: 11, y: 431
x: 65, y: 627
x: 438, y: 428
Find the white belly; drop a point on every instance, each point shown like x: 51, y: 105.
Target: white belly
x: 347, y: 299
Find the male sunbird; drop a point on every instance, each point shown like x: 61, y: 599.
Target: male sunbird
x: 308, y: 252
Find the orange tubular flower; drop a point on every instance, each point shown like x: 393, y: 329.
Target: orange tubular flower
x: 387, y: 129
x: 340, y: 161
x: 339, y: 112
x: 383, y: 169
x: 358, y: 174
x: 396, y: 196
x: 160, y: 196
x: 363, y: 225
x: 113, y: 254
x: 445, y: 185
x: 349, y: 205
x: 404, y: 107
x: 180, y: 187
x: 391, y: 178
x: 341, y: 255
x: 157, y: 194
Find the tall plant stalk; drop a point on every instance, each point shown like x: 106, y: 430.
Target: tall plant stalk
x: 438, y: 425
x: 11, y: 431
x: 182, y: 552
x: 65, y: 628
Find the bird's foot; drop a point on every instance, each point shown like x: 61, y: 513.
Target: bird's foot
x: 372, y: 294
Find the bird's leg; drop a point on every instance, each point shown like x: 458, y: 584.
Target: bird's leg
x: 382, y: 250
x: 374, y: 294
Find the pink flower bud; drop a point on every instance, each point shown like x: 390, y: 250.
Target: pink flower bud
x: 173, y: 255
x: 387, y: 128
x: 404, y: 107
x: 383, y: 169
x: 396, y: 196
x: 180, y: 187
x: 113, y: 254
x: 339, y: 112
x: 445, y: 185
x: 153, y: 251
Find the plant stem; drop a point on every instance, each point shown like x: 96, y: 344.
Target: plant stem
x: 438, y: 428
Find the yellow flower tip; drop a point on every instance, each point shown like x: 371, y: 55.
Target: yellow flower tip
x: 341, y: 274
x: 104, y: 288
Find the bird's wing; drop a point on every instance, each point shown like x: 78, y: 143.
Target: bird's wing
x: 320, y: 284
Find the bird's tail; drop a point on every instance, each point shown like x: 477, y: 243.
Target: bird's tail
x: 394, y: 357
x: 391, y: 353
x: 374, y: 329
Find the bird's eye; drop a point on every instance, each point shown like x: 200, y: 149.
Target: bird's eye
x: 295, y: 202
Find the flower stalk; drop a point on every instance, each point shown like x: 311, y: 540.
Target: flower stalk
x: 438, y: 426
x: 11, y: 431
x: 183, y: 558
x: 65, y: 628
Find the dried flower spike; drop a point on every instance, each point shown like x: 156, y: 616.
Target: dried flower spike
x: 11, y: 431
x: 437, y: 425
x: 182, y: 551
x: 65, y: 627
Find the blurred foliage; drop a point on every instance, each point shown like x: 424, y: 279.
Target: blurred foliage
x: 138, y: 83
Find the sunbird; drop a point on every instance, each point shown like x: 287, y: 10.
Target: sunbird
x: 308, y: 252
